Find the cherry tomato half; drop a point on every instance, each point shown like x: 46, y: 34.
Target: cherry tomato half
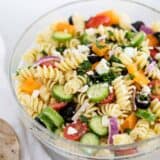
x: 58, y: 106
x: 153, y: 52
x: 94, y: 22
x: 80, y: 128
x: 109, y: 98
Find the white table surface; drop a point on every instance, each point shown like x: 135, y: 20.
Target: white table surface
x: 15, y: 16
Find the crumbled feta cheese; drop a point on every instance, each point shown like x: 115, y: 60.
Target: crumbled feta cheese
x: 102, y: 67
x: 90, y: 73
x: 146, y: 90
x: 56, y: 53
x: 105, y: 121
x: 35, y: 93
x: 110, y: 89
x: 71, y: 131
x: 83, y: 48
x: 129, y: 51
x: 157, y: 57
x: 91, y: 31
x: 83, y: 89
x: 101, y: 30
x: 101, y: 38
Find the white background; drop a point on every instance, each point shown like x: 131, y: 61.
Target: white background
x: 15, y: 16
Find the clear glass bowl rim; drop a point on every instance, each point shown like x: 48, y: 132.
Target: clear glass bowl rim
x: 45, y: 131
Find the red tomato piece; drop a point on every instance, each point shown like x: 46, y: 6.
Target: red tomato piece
x: 58, y: 106
x: 80, y: 128
x: 109, y: 99
x: 94, y: 22
x: 125, y: 152
x: 153, y: 52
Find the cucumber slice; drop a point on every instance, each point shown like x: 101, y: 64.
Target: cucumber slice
x: 98, y: 92
x: 60, y: 94
x: 62, y: 36
x: 54, y: 117
x: 95, y: 125
x: 47, y: 122
x: 90, y: 139
x: 138, y: 39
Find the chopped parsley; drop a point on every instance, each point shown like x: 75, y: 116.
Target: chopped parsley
x: 84, y: 67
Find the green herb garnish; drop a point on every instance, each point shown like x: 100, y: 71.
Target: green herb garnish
x: 145, y: 114
x: 115, y: 59
x: 84, y: 67
x: 44, y: 53
x: 100, y: 45
x: 61, y: 49
x: 108, y: 77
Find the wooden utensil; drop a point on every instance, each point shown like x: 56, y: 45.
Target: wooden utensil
x: 9, y: 143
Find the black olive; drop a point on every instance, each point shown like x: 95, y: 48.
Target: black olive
x: 93, y: 58
x: 137, y: 25
x: 157, y: 35
x: 40, y: 122
x: 70, y: 20
x: 142, y: 101
x: 124, y: 71
x: 68, y: 111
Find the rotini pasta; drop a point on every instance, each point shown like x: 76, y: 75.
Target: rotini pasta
x: 141, y: 130
x: 49, y: 73
x: 111, y: 110
x: 121, y: 90
x: 155, y: 107
x: 71, y: 61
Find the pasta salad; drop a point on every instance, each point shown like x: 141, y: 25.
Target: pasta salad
x: 96, y: 81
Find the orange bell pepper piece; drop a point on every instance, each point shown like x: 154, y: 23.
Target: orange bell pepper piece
x: 65, y: 26
x: 114, y: 17
x: 129, y: 122
x: 29, y: 85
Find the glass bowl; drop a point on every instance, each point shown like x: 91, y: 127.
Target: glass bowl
x: 66, y: 148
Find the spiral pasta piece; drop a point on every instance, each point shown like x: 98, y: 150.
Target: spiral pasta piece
x: 31, y: 56
x: 125, y: 59
x: 32, y: 104
x: 116, y: 35
x: 157, y: 128
x: 73, y: 85
x: 155, y: 107
x: 24, y: 73
x: 111, y: 110
x: 45, y: 94
x: 154, y: 73
x: 121, y: 90
x: 117, y: 67
x: 49, y: 73
x: 141, y: 59
x: 71, y: 61
x: 141, y: 130
x: 90, y: 111
x: 80, y: 99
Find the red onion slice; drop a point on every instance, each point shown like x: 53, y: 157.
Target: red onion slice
x: 150, y: 67
x: 146, y: 29
x: 113, y: 129
x: 46, y: 60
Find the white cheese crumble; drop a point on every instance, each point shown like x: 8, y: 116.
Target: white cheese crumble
x: 71, y: 131
x: 91, y: 31
x: 129, y: 51
x: 90, y: 73
x: 157, y: 57
x: 35, y: 93
x: 83, y: 49
x: 105, y: 121
x: 146, y: 90
x: 84, y: 89
x: 102, y: 67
